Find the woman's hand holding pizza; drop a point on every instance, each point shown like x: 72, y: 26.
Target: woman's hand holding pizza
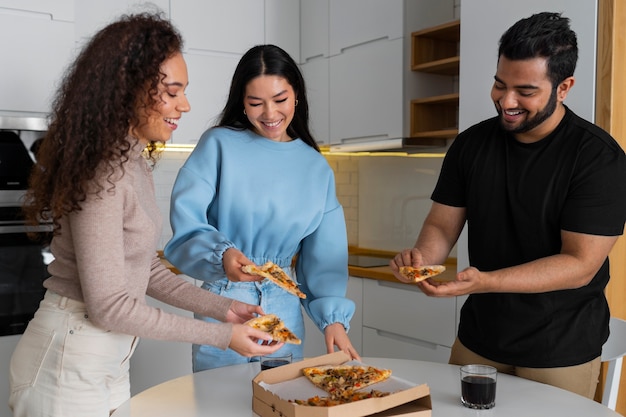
x: 233, y: 259
x: 245, y: 341
x: 240, y: 312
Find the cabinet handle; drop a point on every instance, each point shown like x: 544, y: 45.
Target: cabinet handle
x: 346, y: 48
x: 406, y: 339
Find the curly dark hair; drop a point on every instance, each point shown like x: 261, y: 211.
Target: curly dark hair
x: 267, y: 60
x: 116, y: 74
x: 547, y: 35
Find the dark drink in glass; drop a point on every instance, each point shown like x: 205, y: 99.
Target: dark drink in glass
x: 478, y: 386
x: 273, y: 363
x: 275, y: 360
x: 478, y: 391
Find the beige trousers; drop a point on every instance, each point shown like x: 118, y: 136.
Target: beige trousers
x: 581, y: 379
x: 65, y: 366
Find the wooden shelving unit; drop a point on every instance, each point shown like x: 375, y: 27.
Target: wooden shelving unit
x: 436, y: 51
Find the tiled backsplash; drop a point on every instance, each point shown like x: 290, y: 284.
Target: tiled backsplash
x: 346, y: 170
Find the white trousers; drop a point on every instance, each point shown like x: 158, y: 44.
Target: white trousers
x: 65, y: 366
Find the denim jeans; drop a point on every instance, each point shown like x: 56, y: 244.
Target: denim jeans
x: 272, y: 299
x: 65, y: 366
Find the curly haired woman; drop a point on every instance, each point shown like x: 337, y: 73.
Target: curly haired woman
x: 124, y: 94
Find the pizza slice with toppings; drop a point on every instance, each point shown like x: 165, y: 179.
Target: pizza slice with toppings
x: 272, y: 324
x: 421, y: 272
x: 275, y: 274
x: 341, y: 381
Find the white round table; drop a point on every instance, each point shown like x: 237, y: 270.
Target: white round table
x: 227, y: 392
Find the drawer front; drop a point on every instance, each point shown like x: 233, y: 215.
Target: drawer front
x: 377, y: 343
x: 404, y: 310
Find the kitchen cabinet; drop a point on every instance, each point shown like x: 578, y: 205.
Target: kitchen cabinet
x: 36, y: 51
x: 370, y: 82
x: 366, y: 92
x: 314, y: 29
x: 356, y: 22
x: 156, y: 361
x: 212, y: 56
x: 399, y: 321
x: 316, y: 75
x: 219, y: 26
x: 7, y: 346
x: 209, y: 82
x: 92, y: 15
x: 435, y: 50
x: 61, y: 10
x: 315, y: 344
x: 282, y: 26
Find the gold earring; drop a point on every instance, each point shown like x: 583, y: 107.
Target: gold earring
x: 296, y: 102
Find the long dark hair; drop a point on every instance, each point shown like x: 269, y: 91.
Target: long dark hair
x: 267, y: 60
x: 114, y: 76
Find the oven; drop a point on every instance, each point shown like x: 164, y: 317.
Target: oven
x: 23, y: 261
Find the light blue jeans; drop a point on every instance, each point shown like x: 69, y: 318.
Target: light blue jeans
x: 65, y: 366
x: 272, y: 299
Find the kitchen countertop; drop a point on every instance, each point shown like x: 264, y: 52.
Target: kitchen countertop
x: 376, y: 272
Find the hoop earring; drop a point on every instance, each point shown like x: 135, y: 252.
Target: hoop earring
x: 296, y: 102
x: 244, y: 112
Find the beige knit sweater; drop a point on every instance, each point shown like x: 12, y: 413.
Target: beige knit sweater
x: 106, y: 256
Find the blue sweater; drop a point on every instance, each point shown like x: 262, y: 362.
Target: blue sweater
x: 271, y: 200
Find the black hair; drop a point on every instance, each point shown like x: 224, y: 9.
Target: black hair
x: 547, y: 35
x: 267, y: 60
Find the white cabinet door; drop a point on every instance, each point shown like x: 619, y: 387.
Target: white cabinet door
x: 378, y: 343
x: 7, y: 346
x: 354, y: 22
x: 404, y: 310
x: 157, y: 361
x: 94, y: 15
x: 314, y: 29
x: 316, y: 78
x: 366, y: 92
x: 222, y: 26
x: 209, y: 82
x: 35, y: 53
x: 315, y: 345
x: 57, y: 9
x: 282, y: 26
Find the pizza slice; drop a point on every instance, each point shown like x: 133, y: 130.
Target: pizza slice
x: 340, y: 381
x: 272, y: 324
x: 275, y: 274
x: 422, y: 272
x: 318, y: 401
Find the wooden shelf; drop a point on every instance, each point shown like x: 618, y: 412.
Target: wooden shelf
x: 436, y: 46
x: 435, y: 50
x: 435, y: 117
x: 447, y: 66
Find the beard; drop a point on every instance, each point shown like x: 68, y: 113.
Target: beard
x: 532, y: 122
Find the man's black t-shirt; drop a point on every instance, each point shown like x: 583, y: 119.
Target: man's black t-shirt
x: 518, y: 198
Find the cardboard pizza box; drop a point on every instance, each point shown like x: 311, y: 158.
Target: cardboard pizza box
x: 411, y: 401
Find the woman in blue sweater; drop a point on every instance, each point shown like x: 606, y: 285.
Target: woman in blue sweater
x: 257, y: 189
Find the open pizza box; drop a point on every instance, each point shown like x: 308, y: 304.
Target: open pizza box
x: 272, y: 390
